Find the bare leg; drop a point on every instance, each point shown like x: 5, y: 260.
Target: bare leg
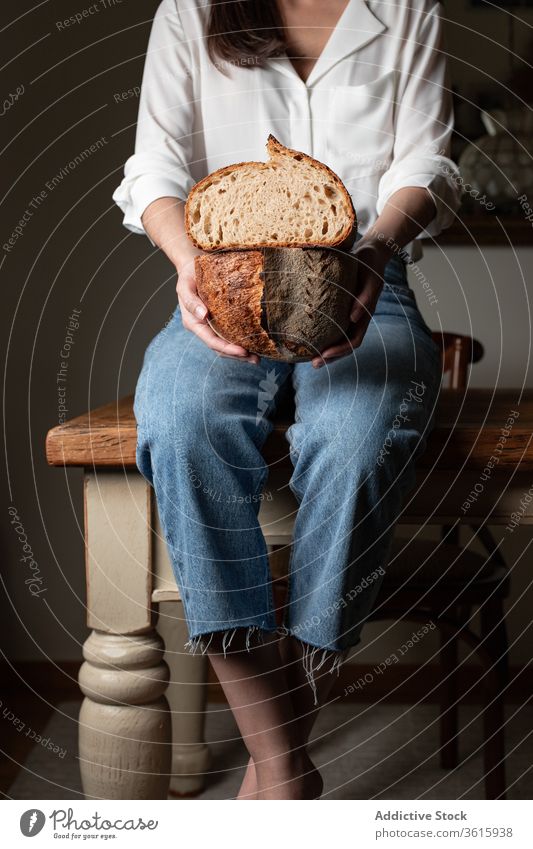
x: 255, y: 686
x: 302, y: 697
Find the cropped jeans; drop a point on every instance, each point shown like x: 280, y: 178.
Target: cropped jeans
x: 360, y: 424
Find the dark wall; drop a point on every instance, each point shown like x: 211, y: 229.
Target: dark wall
x: 72, y: 254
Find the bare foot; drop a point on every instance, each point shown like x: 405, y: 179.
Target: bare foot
x: 294, y: 777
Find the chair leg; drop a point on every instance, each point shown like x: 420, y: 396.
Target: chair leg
x: 450, y: 534
x: 492, y: 619
x: 494, y: 747
x: 486, y: 537
x: 278, y: 557
x: 449, y: 752
x: 494, y: 636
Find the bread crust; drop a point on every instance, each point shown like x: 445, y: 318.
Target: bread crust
x: 274, y: 149
x: 286, y: 304
x: 230, y: 285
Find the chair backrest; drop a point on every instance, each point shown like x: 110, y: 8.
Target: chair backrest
x: 458, y: 353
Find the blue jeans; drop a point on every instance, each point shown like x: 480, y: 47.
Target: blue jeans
x: 360, y: 424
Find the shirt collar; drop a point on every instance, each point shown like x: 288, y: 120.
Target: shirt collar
x: 355, y: 28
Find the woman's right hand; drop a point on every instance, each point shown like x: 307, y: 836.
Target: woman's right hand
x: 194, y: 316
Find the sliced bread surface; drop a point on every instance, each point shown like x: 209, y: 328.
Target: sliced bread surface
x: 292, y: 200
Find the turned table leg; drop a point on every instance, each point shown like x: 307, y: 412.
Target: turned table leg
x: 124, y: 719
x: 125, y: 728
x: 187, y: 698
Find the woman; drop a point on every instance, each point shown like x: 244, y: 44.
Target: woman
x: 361, y: 87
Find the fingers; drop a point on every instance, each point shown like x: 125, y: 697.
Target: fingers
x: 365, y: 302
x: 371, y: 282
x: 227, y: 349
x: 188, y: 296
x: 358, y: 310
x: 318, y: 363
x: 217, y: 344
x: 253, y: 359
x: 340, y: 353
x: 342, y: 350
x: 194, y: 317
x: 360, y: 333
x: 195, y: 307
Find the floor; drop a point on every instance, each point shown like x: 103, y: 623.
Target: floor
x: 388, y: 751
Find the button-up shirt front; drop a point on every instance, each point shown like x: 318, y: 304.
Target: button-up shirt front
x: 376, y: 108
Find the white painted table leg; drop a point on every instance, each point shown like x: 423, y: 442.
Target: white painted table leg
x: 124, y: 720
x: 187, y: 698
x: 125, y: 728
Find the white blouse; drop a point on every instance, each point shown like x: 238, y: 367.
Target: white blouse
x: 376, y: 108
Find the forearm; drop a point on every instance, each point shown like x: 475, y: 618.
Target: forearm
x: 403, y: 218
x: 164, y: 222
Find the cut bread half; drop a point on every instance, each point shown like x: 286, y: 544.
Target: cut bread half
x: 291, y: 200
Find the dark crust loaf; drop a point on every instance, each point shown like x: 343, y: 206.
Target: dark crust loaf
x: 307, y: 298
x: 283, y: 303
x: 274, y: 147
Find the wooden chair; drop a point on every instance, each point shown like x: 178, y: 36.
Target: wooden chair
x: 443, y: 583
x: 446, y: 583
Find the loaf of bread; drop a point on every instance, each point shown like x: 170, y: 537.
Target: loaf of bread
x: 283, y: 303
x: 291, y: 200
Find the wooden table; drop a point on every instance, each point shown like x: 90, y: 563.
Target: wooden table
x: 128, y: 745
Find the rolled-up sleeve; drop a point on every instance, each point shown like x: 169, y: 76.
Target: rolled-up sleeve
x: 159, y: 165
x: 424, y: 124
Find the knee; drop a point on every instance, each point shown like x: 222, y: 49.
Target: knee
x: 398, y: 441
x: 161, y: 411
x: 171, y: 427
x: 375, y: 450
x: 185, y: 431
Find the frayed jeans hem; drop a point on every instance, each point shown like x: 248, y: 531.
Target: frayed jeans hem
x: 314, y: 658
x: 200, y: 643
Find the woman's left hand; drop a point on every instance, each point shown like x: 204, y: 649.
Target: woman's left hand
x: 372, y: 257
